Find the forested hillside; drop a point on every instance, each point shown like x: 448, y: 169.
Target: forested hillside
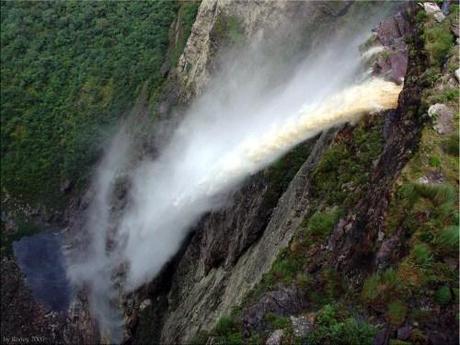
x: 69, y: 70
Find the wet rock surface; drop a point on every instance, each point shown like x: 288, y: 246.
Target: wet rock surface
x: 390, y: 34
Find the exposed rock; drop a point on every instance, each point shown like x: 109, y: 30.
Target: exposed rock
x: 275, y: 338
x: 392, y: 60
x: 457, y: 73
x: 455, y: 29
x: 387, y: 250
x: 404, y: 332
x: 437, y: 338
x: 206, y: 297
x: 382, y: 337
x: 283, y: 302
x: 354, y: 250
x: 443, y: 118
x: 301, y: 325
x: 433, y: 177
x: 145, y: 303
x: 433, y: 9
x: 66, y: 186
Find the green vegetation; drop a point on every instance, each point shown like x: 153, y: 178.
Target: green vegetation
x: 438, y: 43
x: 380, y: 288
x: 443, y: 295
x: 397, y: 312
x: 422, y: 254
x: 337, y: 327
x: 226, y: 332
x: 424, y: 206
x: 281, y: 173
x: 278, y: 322
x: 343, y: 171
x: 322, y: 223
x: 24, y: 228
x: 69, y: 70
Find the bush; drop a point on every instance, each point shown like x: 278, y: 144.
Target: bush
x: 438, y: 194
x: 277, y: 322
x: 322, y: 223
x: 438, y: 42
x: 422, y: 254
x: 370, y: 290
x: 381, y: 287
x: 435, y: 161
x: 396, y: 313
x: 227, y: 331
x: 451, y: 145
x: 333, y: 328
x: 443, y: 295
x: 285, y: 268
x: 225, y: 325
x: 448, y: 239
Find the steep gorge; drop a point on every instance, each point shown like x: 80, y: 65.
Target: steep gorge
x: 318, y: 240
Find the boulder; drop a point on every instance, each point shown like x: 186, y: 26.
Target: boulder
x: 455, y: 29
x: 404, y: 332
x: 301, y: 325
x: 457, y: 73
x: 285, y: 301
x: 443, y: 118
x: 145, y: 303
x: 392, y: 60
x: 275, y: 337
x: 432, y: 9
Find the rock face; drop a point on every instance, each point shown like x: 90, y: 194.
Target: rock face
x: 285, y: 301
x: 433, y: 9
x: 206, y: 296
x: 444, y: 117
x: 230, y: 250
x: 392, y: 61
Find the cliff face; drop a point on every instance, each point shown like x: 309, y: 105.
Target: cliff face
x: 350, y: 238
x: 257, y: 270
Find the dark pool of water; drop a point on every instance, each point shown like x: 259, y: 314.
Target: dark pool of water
x: 42, y: 262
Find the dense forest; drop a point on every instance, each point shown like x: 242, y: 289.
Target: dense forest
x: 69, y: 70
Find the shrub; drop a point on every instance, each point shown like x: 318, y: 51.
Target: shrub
x: 322, y: 223
x: 448, y: 239
x: 438, y: 42
x: 451, y: 145
x: 227, y: 331
x: 438, y: 194
x: 225, y: 325
x: 396, y: 313
x: 333, y: 328
x: 422, y: 254
x: 435, y: 161
x: 285, y: 268
x: 370, y: 290
x: 277, y: 322
x: 381, y: 286
x: 443, y: 295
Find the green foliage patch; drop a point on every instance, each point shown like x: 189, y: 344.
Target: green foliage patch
x: 322, y: 223
x: 337, y: 327
x: 69, y: 70
x: 344, y: 169
x: 438, y: 42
